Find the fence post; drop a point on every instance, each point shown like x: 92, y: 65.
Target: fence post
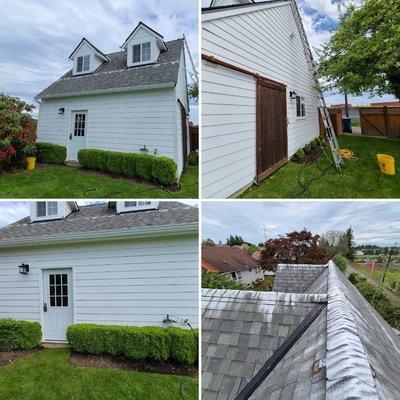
x: 385, y: 117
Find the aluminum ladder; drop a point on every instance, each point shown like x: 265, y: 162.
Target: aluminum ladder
x: 329, y: 131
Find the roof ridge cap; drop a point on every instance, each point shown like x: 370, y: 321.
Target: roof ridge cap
x: 345, y: 350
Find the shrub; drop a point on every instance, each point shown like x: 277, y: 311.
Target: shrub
x: 114, y: 163
x: 341, y: 262
x: 94, y: 159
x: 184, y: 345
x: 163, y: 170
x: 313, y: 144
x: 129, y: 164
x: 49, y: 153
x: 149, y: 342
x: 300, y: 154
x: 19, y: 335
x: 353, y: 278
x: 307, y: 148
x: 193, y: 158
x: 213, y: 280
x: 143, y: 166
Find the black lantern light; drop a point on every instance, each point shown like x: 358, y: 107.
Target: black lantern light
x: 23, y: 269
x: 61, y: 110
x: 293, y: 94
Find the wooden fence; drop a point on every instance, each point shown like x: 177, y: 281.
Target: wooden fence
x: 336, y: 118
x: 194, y: 137
x: 380, y: 121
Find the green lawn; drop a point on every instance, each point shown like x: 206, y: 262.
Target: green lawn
x: 47, y: 375
x: 359, y: 179
x: 69, y: 182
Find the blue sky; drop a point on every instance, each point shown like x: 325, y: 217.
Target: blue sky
x: 11, y: 211
x: 37, y: 36
x: 373, y: 222
x: 319, y: 18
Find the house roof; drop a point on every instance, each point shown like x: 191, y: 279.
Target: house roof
x: 145, y: 26
x: 114, y: 75
x: 100, y: 217
x: 227, y: 259
x: 347, y: 352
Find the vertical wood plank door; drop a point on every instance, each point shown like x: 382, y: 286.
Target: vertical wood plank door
x: 272, y: 141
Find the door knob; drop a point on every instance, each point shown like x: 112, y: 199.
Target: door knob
x: 45, y: 307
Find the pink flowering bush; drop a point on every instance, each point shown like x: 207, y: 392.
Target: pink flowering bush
x: 17, y: 132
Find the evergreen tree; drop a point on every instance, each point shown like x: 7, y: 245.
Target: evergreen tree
x: 350, y: 244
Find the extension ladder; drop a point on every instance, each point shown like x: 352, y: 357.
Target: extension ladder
x: 329, y: 131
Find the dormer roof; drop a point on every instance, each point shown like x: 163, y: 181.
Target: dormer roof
x: 159, y: 37
x: 95, y: 49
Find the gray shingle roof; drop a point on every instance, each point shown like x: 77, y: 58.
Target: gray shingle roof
x: 115, y: 74
x: 100, y: 217
x: 241, y: 330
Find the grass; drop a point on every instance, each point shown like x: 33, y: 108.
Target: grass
x: 69, y: 182
x: 47, y: 375
x: 263, y: 286
x: 359, y: 179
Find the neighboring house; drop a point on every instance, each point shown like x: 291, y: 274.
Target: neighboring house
x: 124, y: 263
x: 386, y: 104
x: 232, y: 263
x: 134, y: 100
x: 259, y: 97
x: 324, y: 343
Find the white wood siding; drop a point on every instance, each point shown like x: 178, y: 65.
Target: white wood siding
x: 265, y: 41
x: 228, y: 131
x: 132, y: 283
x: 181, y: 86
x: 118, y: 122
x: 179, y: 140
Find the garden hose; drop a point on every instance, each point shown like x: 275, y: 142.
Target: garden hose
x: 348, y: 154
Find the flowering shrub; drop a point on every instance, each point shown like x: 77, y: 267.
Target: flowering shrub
x: 17, y: 131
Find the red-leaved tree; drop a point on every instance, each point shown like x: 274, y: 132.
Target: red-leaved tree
x: 294, y: 248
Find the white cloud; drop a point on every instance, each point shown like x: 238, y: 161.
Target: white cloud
x: 324, y: 8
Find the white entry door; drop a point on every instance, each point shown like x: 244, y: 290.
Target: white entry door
x: 57, y: 303
x: 77, y: 137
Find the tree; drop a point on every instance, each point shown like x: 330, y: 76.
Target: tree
x: 234, y: 240
x: 350, y: 244
x: 341, y: 262
x: 17, y: 131
x: 363, y: 54
x: 208, y: 242
x: 193, y: 91
x: 214, y: 280
x: 334, y: 242
x: 296, y: 247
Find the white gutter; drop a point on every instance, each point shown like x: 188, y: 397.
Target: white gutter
x: 110, y: 90
x: 102, y: 236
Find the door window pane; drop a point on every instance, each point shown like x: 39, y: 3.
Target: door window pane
x: 58, y: 290
x: 65, y: 301
x: 58, y: 301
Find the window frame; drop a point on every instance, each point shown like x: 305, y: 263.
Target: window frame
x: 123, y: 207
x: 141, y: 52
x: 300, y: 107
x: 81, y: 62
x: 48, y: 207
x: 79, y: 124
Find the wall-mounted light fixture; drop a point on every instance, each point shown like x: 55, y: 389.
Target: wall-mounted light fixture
x: 144, y: 149
x: 293, y: 94
x: 23, y: 269
x: 61, y: 110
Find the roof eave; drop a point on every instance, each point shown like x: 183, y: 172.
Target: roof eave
x: 155, y: 33
x: 102, y: 236
x: 96, y: 50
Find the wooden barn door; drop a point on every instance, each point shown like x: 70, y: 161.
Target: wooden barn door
x: 271, y: 127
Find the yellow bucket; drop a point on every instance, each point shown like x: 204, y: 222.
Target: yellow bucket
x: 386, y: 164
x: 30, y: 163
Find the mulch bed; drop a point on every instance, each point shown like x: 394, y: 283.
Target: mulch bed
x: 9, y: 357
x: 310, y: 157
x: 124, y: 364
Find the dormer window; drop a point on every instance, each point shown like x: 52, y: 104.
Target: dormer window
x: 141, y: 52
x: 47, y: 209
x: 129, y: 206
x: 83, y: 63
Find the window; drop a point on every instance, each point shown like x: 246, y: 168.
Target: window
x: 130, y: 204
x: 236, y: 275
x: 44, y: 209
x: 146, y: 48
x: 83, y: 63
x: 136, y: 53
x: 79, y: 127
x: 58, y: 285
x: 141, y: 52
x: 300, y: 107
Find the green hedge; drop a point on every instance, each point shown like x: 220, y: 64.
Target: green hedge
x: 138, y: 343
x: 19, y: 334
x: 193, y: 158
x: 144, y: 166
x: 49, y: 153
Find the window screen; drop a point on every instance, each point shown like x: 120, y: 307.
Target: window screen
x: 146, y: 51
x: 79, y: 64
x: 41, y: 209
x: 79, y: 127
x: 58, y: 286
x: 86, y: 62
x: 136, y: 53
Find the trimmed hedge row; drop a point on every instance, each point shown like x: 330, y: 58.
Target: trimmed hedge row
x: 149, y: 342
x: 193, y: 158
x: 16, y: 335
x: 133, y: 165
x: 49, y: 153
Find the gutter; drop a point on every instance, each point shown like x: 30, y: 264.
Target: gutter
x: 102, y: 236
x: 110, y: 90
